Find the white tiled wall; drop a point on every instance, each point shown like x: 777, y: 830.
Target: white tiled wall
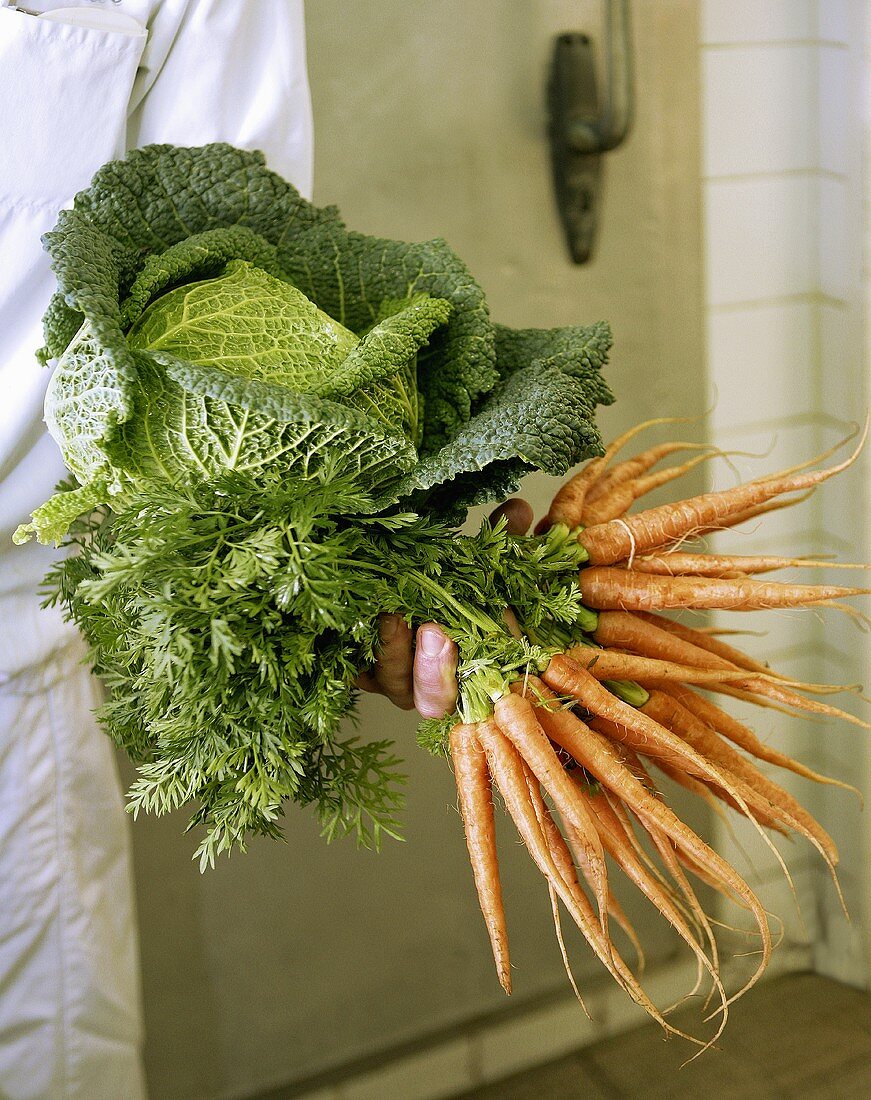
x: 754, y: 21
x: 782, y: 184
x: 762, y: 102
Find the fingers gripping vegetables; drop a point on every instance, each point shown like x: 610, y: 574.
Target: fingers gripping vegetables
x: 273, y: 426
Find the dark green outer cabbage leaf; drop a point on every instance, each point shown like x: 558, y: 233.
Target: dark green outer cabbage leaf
x: 497, y: 402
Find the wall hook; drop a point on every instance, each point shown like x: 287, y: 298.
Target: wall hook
x: 584, y: 124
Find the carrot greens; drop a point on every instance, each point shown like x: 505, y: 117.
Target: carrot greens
x: 229, y: 620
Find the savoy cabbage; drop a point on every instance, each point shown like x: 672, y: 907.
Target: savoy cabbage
x: 208, y: 318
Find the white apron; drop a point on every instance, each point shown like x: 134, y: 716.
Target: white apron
x: 77, y: 88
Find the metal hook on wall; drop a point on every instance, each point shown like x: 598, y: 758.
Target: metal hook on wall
x: 584, y: 124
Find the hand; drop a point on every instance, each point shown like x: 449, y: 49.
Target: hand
x: 421, y: 672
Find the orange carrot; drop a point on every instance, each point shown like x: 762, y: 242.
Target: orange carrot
x: 737, y: 519
x: 628, y: 758
x: 728, y: 523
x: 506, y: 768
x: 644, y: 635
x: 517, y: 720
x: 621, y: 851
x: 679, y: 890
x: 671, y: 763
x: 607, y: 588
x: 567, y: 677
x: 649, y: 737
x: 673, y: 563
x: 614, y: 664
x: 608, y: 664
x: 781, y: 692
x: 593, y: 752
x: 615, y: 909
x: 680, y: 777
x: 772, y: 801
x: 562, y: 858
x: 667, y: 854
x: 652, y: 636
x: 620, y: 846
x: 741, y: 735
x: 699, y: 640
x: 619, y: 540
x: 620, y: 499
x: 635, y: 467
x: 567, y: 505
x: 476, y: 809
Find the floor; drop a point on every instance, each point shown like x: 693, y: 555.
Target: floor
x: 800, y: 1037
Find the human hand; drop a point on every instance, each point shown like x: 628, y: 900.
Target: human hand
x: 421, y: 671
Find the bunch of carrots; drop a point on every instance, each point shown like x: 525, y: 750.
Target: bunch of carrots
x: 570, y: 749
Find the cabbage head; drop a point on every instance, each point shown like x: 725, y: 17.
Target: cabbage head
x: 210, y: 319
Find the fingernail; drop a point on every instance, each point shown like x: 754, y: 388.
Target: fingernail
x: 431, y: 642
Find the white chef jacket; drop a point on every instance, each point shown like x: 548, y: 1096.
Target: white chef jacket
x: 74, y: 94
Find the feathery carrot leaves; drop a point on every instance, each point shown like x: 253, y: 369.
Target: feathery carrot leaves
x: 229, y: 621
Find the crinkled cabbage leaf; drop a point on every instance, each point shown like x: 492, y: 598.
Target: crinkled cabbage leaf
x: 208, y: 318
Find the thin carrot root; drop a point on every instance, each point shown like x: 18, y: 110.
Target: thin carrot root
x: 823, y: 455
x: 567, y: 966
x: 668, y: 854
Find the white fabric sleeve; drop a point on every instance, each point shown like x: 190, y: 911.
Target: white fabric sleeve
x: 64, y: 93
x: 221, y: 70
x: 70, y: 1017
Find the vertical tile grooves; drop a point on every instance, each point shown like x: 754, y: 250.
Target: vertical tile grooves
x: 797, y: 317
